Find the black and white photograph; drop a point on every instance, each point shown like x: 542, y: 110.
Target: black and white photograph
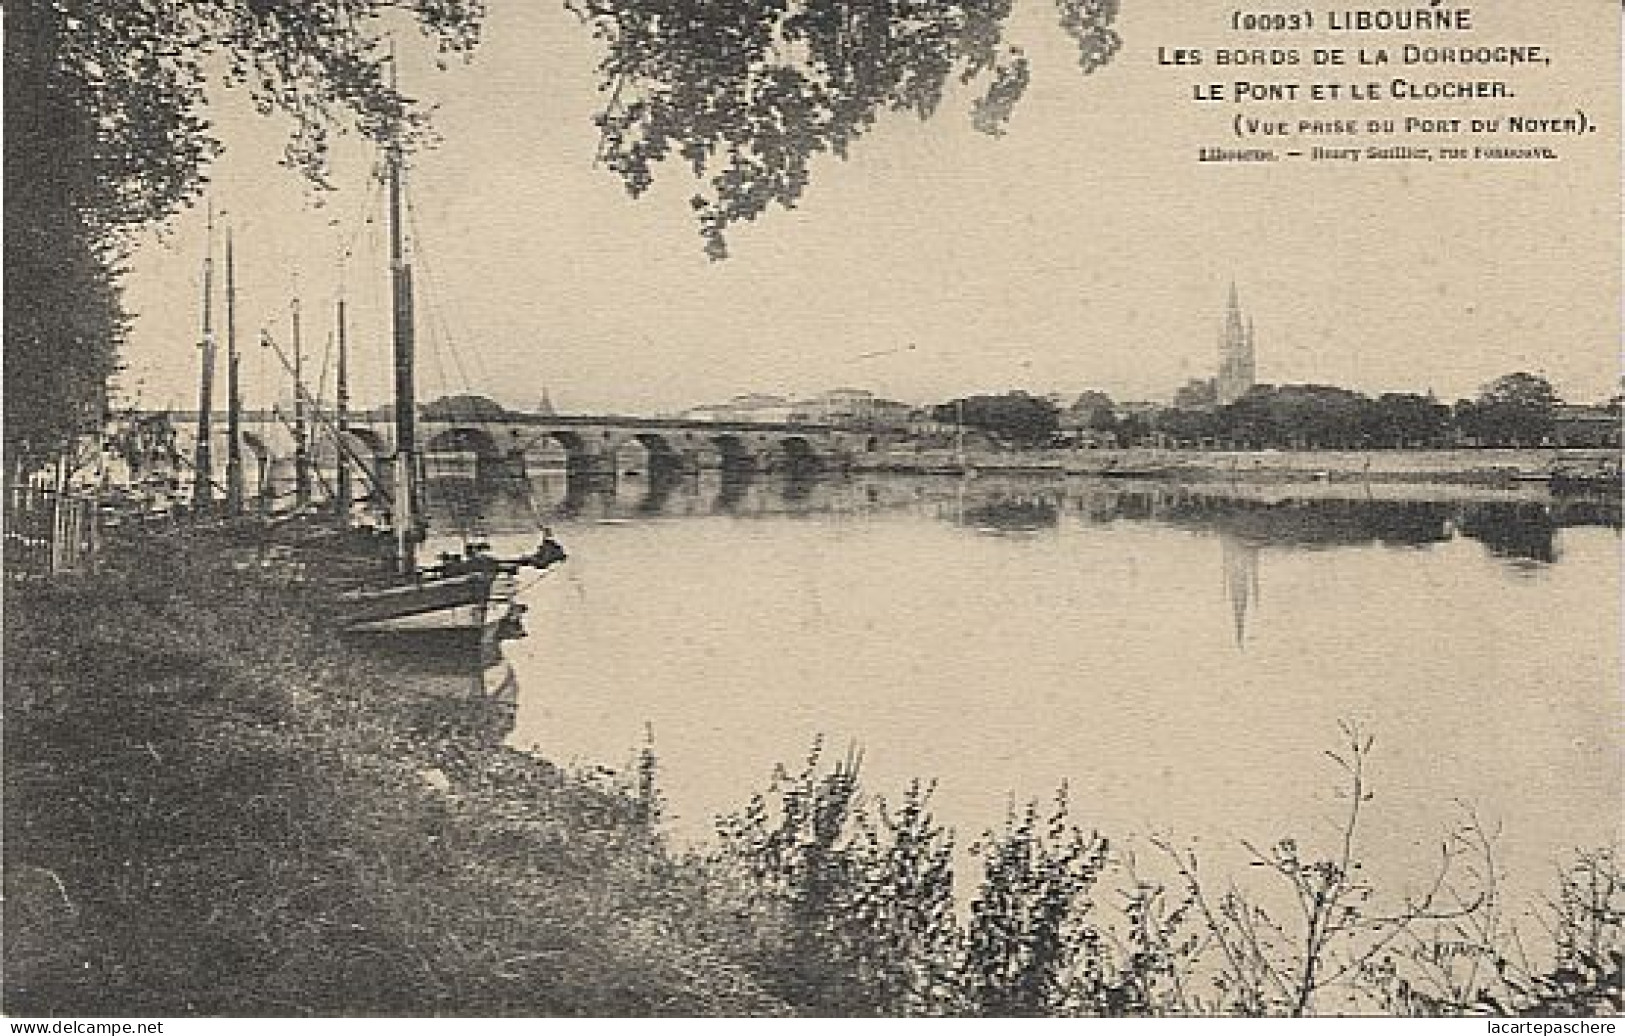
x: 881, y: 509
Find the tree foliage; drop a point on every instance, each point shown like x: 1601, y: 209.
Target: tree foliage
x: 1093, y: 410
x: 1402, y: 419
x: 106, y: 132
x: 135, y: 79
x: 1517, y: 409
x: 747, y: 92
x: 1015, y: 417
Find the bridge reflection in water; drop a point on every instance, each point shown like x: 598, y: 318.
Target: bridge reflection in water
x: 1517, y: 526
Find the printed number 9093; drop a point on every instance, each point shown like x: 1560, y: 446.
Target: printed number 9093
x: 1264, y: 21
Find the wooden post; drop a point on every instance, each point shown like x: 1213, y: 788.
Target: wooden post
x: 301, y: 454
x: 234, y: 399
x: 203, y: 457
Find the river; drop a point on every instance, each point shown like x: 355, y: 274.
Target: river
x: 1180, y: 657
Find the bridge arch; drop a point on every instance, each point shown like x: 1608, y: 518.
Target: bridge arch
x: 796, y: 455
x: 463, y: 439
x: 459, y: 452
x: 580, y: 458
x: 657, y: 456
x: 734, y: 452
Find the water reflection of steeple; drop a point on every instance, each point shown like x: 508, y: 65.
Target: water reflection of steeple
x: 1240, y: 579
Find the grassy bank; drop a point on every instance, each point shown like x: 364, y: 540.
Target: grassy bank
x: 213, y: 808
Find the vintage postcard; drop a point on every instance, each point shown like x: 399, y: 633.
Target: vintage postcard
x: 988, y: 509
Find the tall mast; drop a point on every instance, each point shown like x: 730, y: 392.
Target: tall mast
x: 203, y: 461
x: 234, y: 399
x: 342, y: 498
x: 301, y: 451
x: 405, y: 509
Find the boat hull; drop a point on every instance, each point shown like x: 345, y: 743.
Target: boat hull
x: 432, y: 616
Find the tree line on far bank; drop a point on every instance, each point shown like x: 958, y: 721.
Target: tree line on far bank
x: 1515, y: 410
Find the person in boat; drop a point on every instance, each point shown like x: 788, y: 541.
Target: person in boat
x: 548, y: 552
x: 476, y: 557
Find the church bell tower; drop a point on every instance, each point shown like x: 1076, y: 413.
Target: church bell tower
x: 1237, y: 373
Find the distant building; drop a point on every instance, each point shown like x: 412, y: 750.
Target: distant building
x: 1136, y: 408
x: 756, y: 407
x: 848, y: 406
x: 841, y: 407
x: 1237, y: 370
x: 1197, y: 394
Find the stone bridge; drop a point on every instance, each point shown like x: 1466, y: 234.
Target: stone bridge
x: 511, y: 445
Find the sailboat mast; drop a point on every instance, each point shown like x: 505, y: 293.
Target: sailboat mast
x: 301, y: 452
x: 342, y: 499
x: 405, y: 391
x: 203, y: 460
x: 234, y: 398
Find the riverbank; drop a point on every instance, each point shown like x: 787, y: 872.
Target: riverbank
x: 213, y: 808
x: 1489, y: 467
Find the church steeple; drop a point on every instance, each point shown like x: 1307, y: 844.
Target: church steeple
x: 1237, y: 373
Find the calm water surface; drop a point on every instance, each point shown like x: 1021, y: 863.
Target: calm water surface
x: 1181, y: 658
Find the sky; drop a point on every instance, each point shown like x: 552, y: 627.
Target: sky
x: 1086, y: 248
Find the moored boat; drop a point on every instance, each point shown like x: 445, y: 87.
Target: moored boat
x: 466, y: 602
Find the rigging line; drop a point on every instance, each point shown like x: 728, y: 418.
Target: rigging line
x: 345, y: 449
x: 420, y: 264
x: 433, y: 304
x: 439, y: 319
x: 445, y: 343
x: 364, y: 221
x: 435, y: 354
x: 327, y: 358
x: 315, y: 469
x: 431, y: 275
x: 523, y: 588
x: 464, y: 516
x: 367, y: 298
